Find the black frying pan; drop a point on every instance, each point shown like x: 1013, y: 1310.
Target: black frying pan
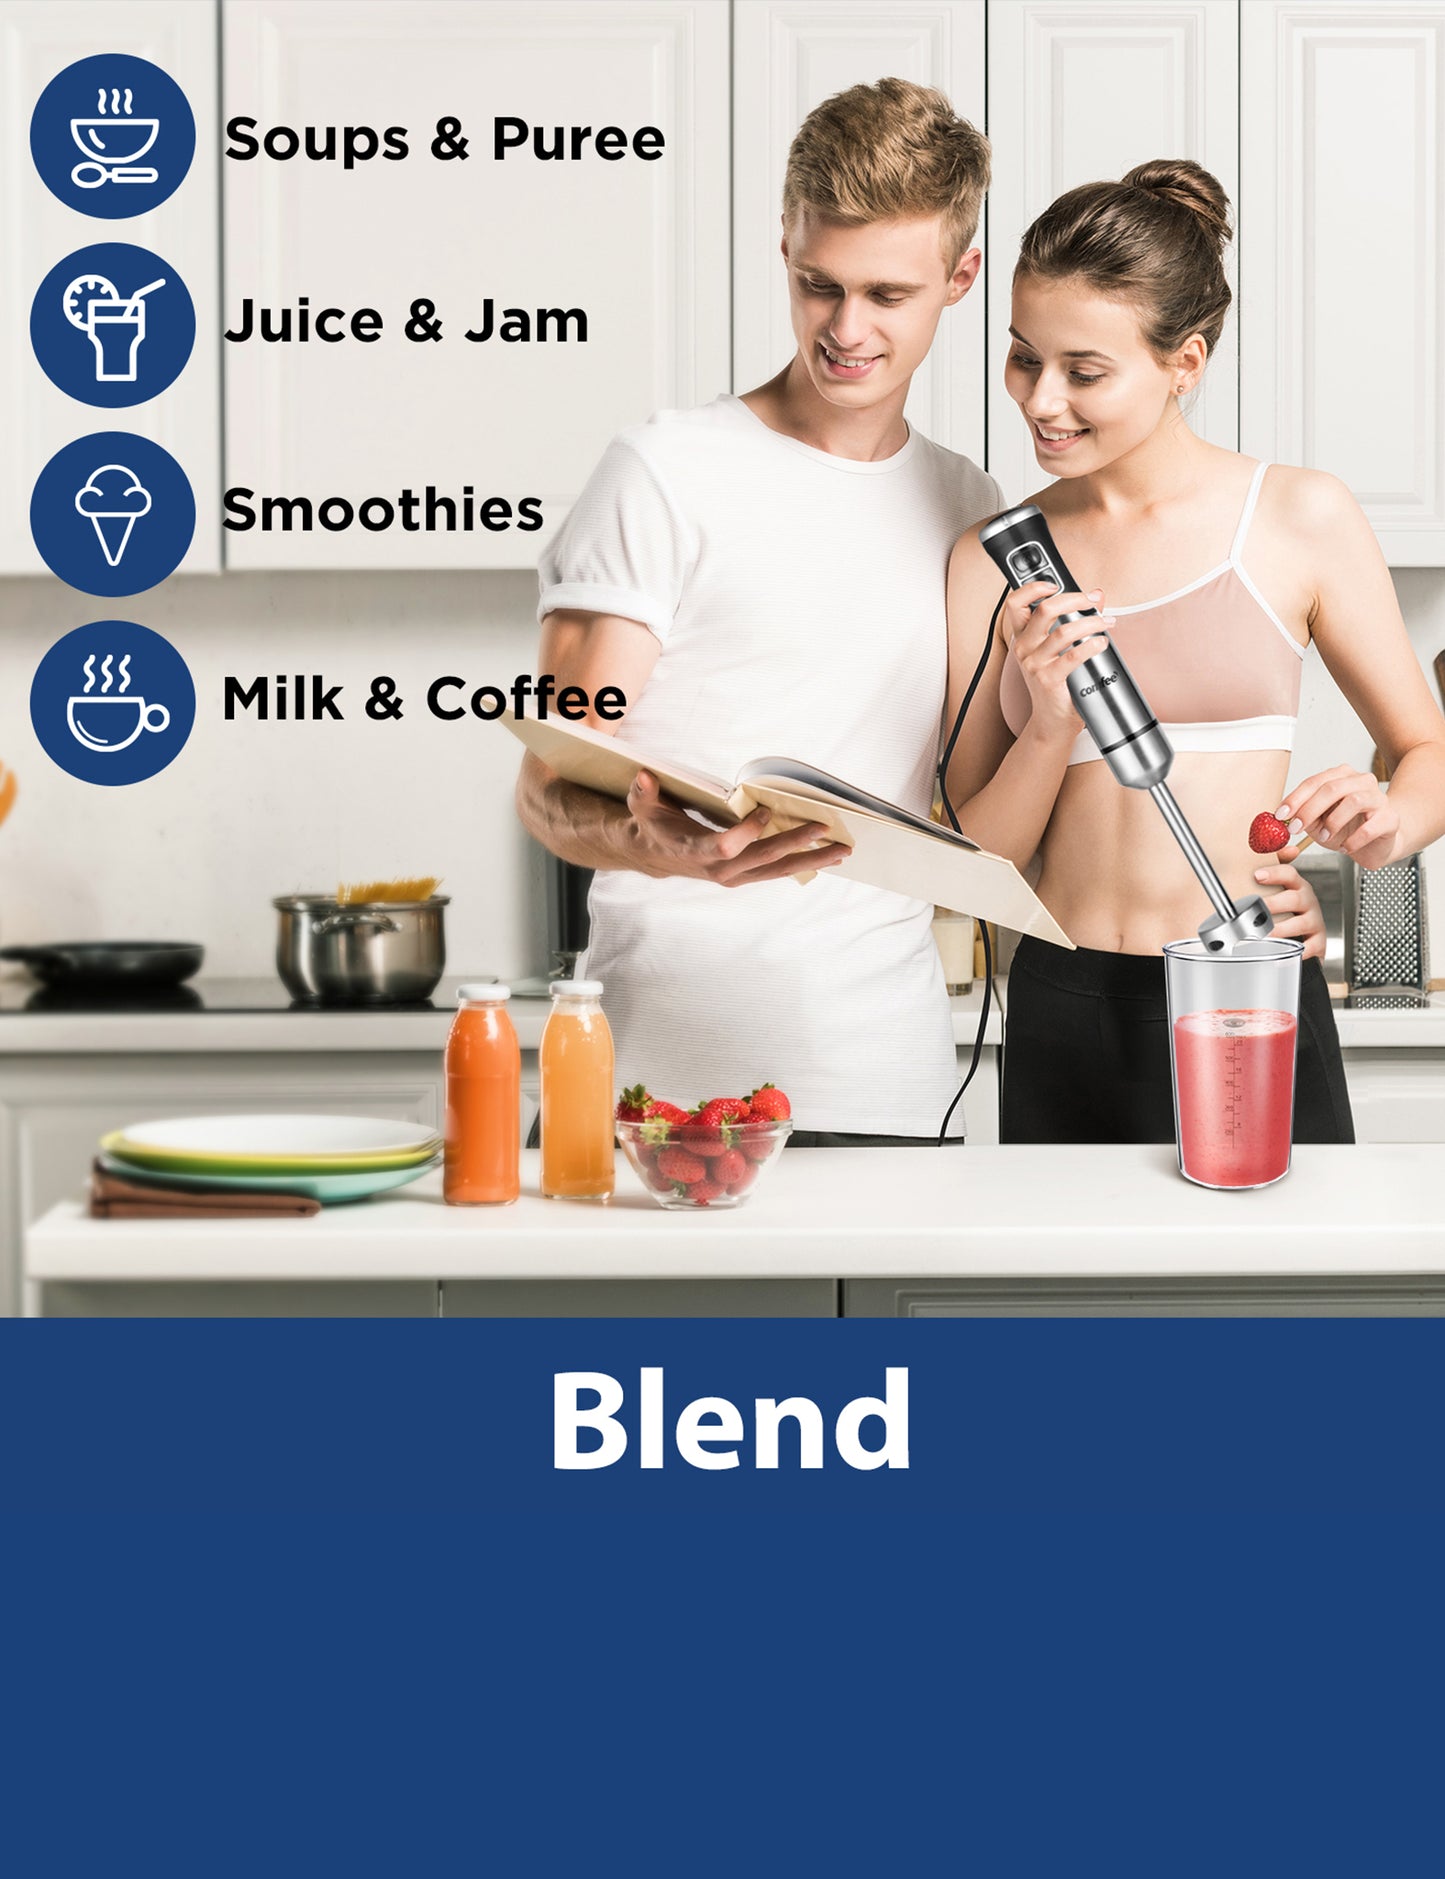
x: 109, y: 965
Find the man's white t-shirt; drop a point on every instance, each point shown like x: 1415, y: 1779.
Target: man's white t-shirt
x: 800, y: 602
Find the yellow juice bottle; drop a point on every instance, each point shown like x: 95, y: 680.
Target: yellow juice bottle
x: 577, y: 1069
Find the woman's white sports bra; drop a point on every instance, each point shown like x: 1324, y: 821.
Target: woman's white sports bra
x: 1218, y: 667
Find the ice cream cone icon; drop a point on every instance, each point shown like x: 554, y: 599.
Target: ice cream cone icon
x: 114, y: 498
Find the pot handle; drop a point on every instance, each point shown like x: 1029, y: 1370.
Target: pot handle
x: 345, y: 922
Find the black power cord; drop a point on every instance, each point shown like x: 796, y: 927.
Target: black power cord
x: 944, y: 762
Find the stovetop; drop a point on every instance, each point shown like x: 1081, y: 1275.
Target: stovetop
x: 228, y: 995
x: 200, y: 995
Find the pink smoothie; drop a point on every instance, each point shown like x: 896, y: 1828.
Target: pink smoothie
x: 1234, y: 1072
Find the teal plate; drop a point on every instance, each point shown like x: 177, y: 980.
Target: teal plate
x: 327, y: 1188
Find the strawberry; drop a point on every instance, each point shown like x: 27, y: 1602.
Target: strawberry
x: 745, y: 1179
x: 660, y: 1121
x: 769, y: 1105
x: 705, y: 1191
x: 730, y: 1167
x: 757, y: 1146
x: 633, y: 1105
x: 707, y: 1142
x: 678, y: 1165
x: 1267, y: 833
x: 721, y: 1109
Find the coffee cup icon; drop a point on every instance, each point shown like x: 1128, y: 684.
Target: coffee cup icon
x: 112, y: 723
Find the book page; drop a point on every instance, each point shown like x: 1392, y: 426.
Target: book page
x: 802, y: 779
x: 608, y: 765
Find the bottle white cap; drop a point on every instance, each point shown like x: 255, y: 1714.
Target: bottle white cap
x: 483, y: 988
x: 576, y: 988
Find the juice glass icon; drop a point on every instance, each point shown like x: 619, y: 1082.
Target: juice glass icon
x: 1233, y: 1024
x: 116, y: 329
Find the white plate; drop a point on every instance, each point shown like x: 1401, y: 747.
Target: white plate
x: 276, y: 1138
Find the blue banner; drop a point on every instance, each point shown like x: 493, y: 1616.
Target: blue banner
x: 1089, y: 1597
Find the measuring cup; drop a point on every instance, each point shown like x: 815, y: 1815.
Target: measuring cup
x: 1233, y: 1022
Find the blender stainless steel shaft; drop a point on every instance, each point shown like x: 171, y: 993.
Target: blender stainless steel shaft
x: 1119, y: 720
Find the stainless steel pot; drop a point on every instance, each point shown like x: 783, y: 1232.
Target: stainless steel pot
x: 367, y: 952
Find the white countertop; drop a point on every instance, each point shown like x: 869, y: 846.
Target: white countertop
x: 1074, y: 1211
x: 68, y: 1033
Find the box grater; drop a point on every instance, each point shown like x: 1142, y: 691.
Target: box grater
x: 1387, y: 946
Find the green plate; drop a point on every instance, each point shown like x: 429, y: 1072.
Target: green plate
x: 327, y: 1188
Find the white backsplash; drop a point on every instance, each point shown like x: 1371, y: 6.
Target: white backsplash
x: 251, y: 810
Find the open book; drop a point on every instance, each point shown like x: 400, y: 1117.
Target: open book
x: 892, y: 847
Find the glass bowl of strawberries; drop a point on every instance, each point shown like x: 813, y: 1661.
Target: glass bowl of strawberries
x: 710, y: 1156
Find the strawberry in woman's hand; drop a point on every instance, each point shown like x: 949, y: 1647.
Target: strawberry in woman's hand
x: 769, y: 1105
x: 1267, y: 834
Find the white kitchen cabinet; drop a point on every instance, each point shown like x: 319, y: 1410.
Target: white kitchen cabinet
x: 639, y: 246
x: 1398, y: 1096
x: 788, y: 56
x: 1080, y: 92
x: 1343, y: 332
x: 39, y: 38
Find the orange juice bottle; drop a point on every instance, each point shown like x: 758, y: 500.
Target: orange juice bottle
x: 576, y: 1065
x: 484, y: 1102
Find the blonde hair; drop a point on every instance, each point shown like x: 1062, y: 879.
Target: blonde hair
x: 891, y: 149
x: 1157, y: 238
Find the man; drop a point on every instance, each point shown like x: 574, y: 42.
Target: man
x: 765, y: 576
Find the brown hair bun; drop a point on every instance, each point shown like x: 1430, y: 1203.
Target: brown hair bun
x: 1189, y: 187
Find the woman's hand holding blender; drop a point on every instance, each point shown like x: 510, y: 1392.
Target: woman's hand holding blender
x: 1045, y: 655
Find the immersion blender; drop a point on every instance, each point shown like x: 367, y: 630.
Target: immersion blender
x: 1119, y: 721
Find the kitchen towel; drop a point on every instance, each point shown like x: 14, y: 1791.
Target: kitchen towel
x: 112, y: 1198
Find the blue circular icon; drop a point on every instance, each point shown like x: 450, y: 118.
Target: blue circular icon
x: 113, y: 513
x: 112, y: 135
x: 112, y: 702
x: 112, y: 325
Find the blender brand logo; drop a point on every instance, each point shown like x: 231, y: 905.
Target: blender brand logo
x: 112, y: 702
x: 112, y: 135
x: 709, y: 1429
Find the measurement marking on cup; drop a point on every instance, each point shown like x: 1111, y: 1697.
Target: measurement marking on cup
x: 1233, y: 1075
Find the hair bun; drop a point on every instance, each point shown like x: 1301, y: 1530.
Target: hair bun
x: 1188, y: 186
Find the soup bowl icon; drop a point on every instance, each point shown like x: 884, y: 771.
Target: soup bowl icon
x: 114, y: 139
x: 113, y: 723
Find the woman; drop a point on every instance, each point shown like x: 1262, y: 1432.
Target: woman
x: 1119, y: 299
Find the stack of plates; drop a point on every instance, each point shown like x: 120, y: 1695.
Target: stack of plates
x: 327, y: 1158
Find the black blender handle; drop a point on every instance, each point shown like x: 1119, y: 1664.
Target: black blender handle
x: 1105, y: 696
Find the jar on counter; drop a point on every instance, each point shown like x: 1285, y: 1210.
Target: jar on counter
x: 576, y: 1063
